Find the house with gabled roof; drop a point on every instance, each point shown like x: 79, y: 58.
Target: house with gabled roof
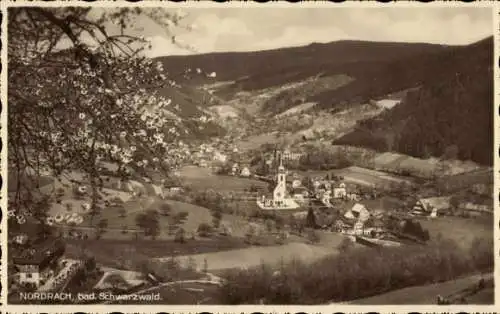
x: 36, y: 263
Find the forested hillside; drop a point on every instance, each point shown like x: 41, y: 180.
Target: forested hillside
x: 452, y: 112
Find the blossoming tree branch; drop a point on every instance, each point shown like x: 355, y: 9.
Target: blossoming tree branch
x: 95, y: 100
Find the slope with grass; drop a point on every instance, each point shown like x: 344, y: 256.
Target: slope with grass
x: 427, y: 294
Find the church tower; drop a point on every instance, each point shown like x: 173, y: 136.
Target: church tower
x: 280, y: 189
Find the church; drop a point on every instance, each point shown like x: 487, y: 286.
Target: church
x: 280, y: 200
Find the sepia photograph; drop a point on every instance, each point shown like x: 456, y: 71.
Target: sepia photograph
x: 258, y: 155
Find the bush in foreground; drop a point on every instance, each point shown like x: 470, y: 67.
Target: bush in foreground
x: 354, y: 274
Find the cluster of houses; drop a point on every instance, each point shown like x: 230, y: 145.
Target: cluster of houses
x: 242, y: 170
x: 324, y: 190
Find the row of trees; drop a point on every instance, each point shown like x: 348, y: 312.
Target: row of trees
x: 319, y: 159
x: 355, y: 273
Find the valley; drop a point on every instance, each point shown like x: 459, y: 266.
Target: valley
x: 349, y: 172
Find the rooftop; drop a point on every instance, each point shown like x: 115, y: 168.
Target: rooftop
x: 40, y: 253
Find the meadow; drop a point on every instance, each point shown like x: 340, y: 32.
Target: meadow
x: 128, y: 254
x: 254, y: 256
x: 427, y: 294
x: 462, y: 231
x: 121, y: 223
x: 199, y: 178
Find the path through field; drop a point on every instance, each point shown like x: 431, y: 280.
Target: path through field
x: 210, y: 280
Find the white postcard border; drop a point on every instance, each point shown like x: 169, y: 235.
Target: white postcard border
x: 246, y: 308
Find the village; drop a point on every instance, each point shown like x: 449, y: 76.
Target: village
x: 167, y: 155
x: 254, y: 197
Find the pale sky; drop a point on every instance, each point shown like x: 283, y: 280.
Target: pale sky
x: 250, y: 29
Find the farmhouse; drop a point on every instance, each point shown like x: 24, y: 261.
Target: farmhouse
x: 245, y: 172
x: 340, y: 191
x: 361, y: 212
x: 35, y: 263
x: 220, y: 157
x: 432, y: 205
x: 291, y: 156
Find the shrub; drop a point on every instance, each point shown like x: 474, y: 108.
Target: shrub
x: 205, y: 230
x: 165, y: 209
x: 180, y: 236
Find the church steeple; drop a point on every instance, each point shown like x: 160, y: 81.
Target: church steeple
x: 280, y: 189
x: 281, y: 168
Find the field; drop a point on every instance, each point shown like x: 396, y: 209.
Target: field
x: 202, y: 179
x: 119, y: 253
x: 369, y: 177
x: 125, y: 227
x: 254, y: 256
x: 461, y: 181
x: 255, y: 141
x: 461, y: 230
x: 361, y: 176
x: 427, y: 294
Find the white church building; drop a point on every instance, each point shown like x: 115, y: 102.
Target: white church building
x: 281, y: 200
